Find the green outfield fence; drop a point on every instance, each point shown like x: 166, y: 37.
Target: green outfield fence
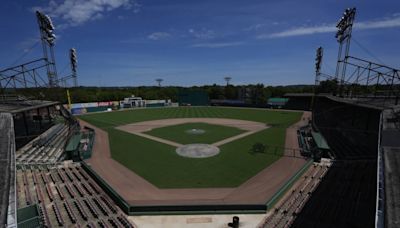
x: 194, y: 209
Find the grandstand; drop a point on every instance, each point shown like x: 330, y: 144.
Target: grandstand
x: 31, y: 117
x: 345, y: 125
x: 347, y: 195
x: 38, y: 187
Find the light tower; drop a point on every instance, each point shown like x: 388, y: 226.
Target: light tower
x: 318, y: 61
x: 74, y: 61
x: 48, y: 38
x: 343, y: 36
x: 159, y: 80
x: 227, y: 79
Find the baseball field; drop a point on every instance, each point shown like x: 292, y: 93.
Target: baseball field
x: 151, y: 151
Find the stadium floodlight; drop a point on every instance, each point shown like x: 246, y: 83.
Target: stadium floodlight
x: 345, y: 24
x: 49, y: 23
x: 46, y: 28
x: 73, y: 59
x: 318, y: 60
x: 48, y: 38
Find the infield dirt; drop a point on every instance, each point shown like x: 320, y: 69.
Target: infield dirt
x: 250, y: 127
x: 138, y: 191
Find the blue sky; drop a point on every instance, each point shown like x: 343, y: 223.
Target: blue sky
x: 133, y: 42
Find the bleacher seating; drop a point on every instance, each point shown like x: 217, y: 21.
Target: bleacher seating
x: 289, y: 207
x: 48, y: 147
x: 62, y: 194
x: 343, y: 198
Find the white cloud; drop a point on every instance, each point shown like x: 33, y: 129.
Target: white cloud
x: 159, y: 36
x: 385, y: 23
x: 217, y: 45
x: 255, y: 27
x: 300, y: 31
x: 76, y: 12
x: 202, y: 34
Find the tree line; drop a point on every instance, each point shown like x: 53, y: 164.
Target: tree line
x: 252, y: 93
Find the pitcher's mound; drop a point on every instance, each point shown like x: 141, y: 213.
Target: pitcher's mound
x: 197, y: 150
x: 195, y: 131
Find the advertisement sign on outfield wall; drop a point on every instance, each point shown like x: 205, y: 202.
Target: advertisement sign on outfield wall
x: 84, y: 105
x: 82, y: 108
x: 78, y: 111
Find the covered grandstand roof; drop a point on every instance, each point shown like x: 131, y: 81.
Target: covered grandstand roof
x: 21, y: 107
x: 374, y: 102
x: 371, y: 102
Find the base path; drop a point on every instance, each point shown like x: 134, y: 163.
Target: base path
x: 140, y: 128
x: 138, y: 191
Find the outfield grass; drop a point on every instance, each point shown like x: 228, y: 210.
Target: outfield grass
x: 178, y: 133
x: 159, y: 164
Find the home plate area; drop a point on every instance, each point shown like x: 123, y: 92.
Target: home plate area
x: 197, y: 150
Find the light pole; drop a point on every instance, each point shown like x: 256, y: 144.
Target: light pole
x: 227, y: 79
x: 74, y: 61
x: 159, y: 80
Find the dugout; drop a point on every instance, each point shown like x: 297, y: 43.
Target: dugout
x: 73, y: 145
x: 193, y: 98
x: 321, y: 146
x: 277, y: 102
x: 29, y: 217
x: 80, y: 144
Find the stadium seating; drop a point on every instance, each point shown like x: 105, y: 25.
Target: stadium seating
x: 65, y: 196
x: 347, y: 195
x: 344, y: 126
x: 342, y: 198
x: 284, y: 213
x: 49, y: 147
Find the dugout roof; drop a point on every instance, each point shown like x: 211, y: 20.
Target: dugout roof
x: 320, y: 141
